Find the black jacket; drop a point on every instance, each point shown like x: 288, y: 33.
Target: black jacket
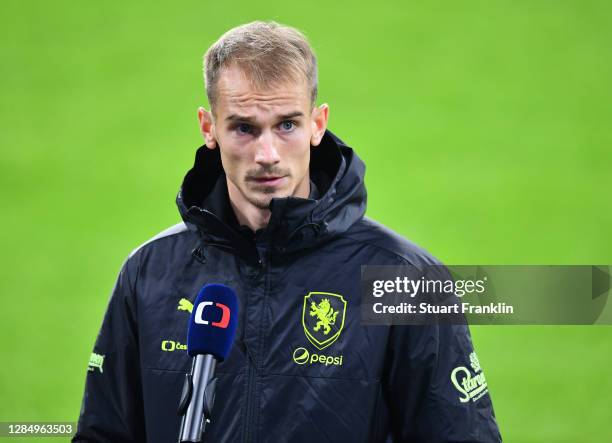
x: 288, y: 378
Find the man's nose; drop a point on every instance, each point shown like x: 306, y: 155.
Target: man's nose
x: 267, y: 152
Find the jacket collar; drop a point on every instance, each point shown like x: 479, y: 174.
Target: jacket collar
x: 295, y: 223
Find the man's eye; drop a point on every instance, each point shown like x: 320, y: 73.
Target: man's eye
x: 287, y: 125
x: 244, y: 128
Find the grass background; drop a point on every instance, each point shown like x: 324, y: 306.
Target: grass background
x: 485, y: 126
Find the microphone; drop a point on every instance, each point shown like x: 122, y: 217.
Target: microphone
x: 210, y: 336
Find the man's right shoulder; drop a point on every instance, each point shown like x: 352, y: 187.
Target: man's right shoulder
x: 164, y: 239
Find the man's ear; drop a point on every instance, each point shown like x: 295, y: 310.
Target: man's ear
x: 207, y: 127
x: 320, y: 115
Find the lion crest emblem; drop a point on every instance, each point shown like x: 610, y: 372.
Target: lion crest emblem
x: 323, y: 318
x: 325, y: 314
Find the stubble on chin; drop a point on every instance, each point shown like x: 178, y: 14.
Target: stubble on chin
x: 261, y: 196
x: 261, y: 202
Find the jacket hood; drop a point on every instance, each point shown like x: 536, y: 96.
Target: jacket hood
x: 295, y: 223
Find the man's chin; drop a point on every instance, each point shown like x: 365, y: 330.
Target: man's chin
x: 262, y: 199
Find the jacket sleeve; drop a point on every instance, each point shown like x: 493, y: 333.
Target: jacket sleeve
x: 435, y: 387
x: 112, y: 407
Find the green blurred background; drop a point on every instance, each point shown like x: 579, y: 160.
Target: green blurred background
x: 485, y: 126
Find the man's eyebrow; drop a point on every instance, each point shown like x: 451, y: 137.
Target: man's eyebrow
x: 240, y: 118
x: 251, y: 119
x: 291, y: 115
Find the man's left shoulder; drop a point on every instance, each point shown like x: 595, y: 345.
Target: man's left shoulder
x: 370, y: 232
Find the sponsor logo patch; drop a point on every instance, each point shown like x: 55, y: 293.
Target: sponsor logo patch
x: 171, y: 346
x: 322, y: 320
x: 185, y: 305
x: 471, y: 384
x: 302, y: 356
x: 96, y: 361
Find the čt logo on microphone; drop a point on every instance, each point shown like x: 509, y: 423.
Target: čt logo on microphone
x: 225, y: 317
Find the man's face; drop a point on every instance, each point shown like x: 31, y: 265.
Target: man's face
x: 264, y: 137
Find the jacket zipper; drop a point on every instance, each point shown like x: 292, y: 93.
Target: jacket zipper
x: 251, y: 385
x: 250, y: 395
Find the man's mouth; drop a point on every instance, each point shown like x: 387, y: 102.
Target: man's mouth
x: 272, y: 180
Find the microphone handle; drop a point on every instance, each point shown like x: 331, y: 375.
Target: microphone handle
x: 197, y: 398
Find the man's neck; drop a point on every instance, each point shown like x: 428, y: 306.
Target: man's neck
x: 250, y: 215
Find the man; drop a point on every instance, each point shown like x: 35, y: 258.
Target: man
x: 274, y: 208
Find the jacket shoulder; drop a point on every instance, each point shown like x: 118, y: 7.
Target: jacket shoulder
x: 378, y: 236
x: 173, y: 231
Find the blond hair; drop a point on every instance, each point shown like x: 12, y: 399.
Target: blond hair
x: 266, y: 52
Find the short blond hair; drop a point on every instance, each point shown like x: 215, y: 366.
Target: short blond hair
x: 266, y: 52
